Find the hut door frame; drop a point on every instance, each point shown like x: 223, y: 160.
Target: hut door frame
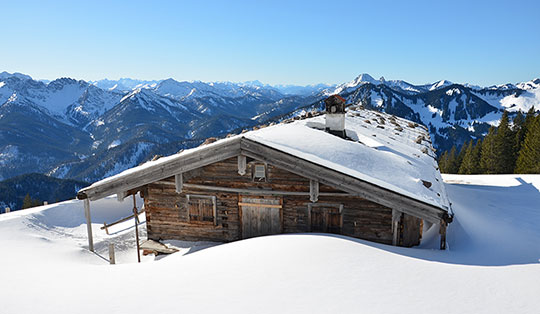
x: 246, y: 203
x: 326, y: 210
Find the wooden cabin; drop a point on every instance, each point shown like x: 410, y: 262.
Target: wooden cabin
x: 302, y: 176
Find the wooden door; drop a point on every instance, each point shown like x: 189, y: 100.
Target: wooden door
x: 325, y: 218
x: 260, y: 215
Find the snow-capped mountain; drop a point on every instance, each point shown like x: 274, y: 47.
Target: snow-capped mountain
x: 88, y: 130
x: 454, y: 113
x: 123, y: 84
x: 72, y: 128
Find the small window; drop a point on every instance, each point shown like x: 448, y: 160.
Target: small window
x: 201, y: 209
x: 259, y: 173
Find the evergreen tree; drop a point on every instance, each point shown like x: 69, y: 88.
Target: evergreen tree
x: 477, y: 154
x: 504, y: 145
x: 460, y: 156
x: 529, y: 118
x: 471, y: 159
x: 529, y: 155
x: 519, y: 129
x: 452, y: 163
x: 443, y: 162
x: 487, y: 158
x: 27, y: 202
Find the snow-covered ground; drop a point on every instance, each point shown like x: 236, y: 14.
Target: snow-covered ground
x: 492, y: 265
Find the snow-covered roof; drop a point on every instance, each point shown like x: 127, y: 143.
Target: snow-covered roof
x: 386, y: 151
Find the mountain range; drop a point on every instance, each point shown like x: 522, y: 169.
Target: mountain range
x: 86, y: 131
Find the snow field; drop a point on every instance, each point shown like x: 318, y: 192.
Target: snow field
x: 492, y: 265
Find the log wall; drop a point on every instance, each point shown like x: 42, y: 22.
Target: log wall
x: 167, y: 215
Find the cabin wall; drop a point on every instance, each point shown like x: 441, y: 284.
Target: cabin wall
x: 167, y: 213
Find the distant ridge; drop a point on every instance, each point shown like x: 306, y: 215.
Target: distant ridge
x: 89, y: 130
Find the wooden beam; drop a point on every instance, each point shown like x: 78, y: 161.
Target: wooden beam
x: 313, y: 190
x: 179, y: 182
x: 252, y: 191
x: 396, y: 219
x: 120, y: 196
x: 341, y: 181
x: 112, y: 259
x: 106, y: 226
x: 214, y: 209
x: 442, y: 232
x: 260, y: 205
x: 160, y: 170
x: 136, y: 228
x: 88, y: 224
x: 242, y: 165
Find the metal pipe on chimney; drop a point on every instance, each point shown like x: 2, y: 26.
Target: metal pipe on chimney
x: 335, y: 115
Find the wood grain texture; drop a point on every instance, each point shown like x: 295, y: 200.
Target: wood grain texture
x: 167, y: 216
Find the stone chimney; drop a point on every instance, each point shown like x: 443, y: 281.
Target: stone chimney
x: 335, y: 115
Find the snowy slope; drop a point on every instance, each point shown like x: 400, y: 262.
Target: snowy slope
x: 491, y: 266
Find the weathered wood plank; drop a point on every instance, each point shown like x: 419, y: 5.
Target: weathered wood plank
x: 178, y: 182
x: 342, y: 181
x: 256, y: 191
x: 241, y: 165
x: 88, y: 225
x: 442, y: 232
x: 313, y: 190
x: 185, y: 162
x: 167, y: 218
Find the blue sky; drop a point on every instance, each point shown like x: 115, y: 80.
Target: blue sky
x: 291, y: 42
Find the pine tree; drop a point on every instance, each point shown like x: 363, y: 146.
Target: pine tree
x: 487, y: 158
x: 471, y: 160
x: 452, y: 163
x: 529, y: 155
x: 477, y: 154
x: 27, y: 202
x: 504, y: 144
x: 529, y: 117
x: 519, y: 129
x: 460, y: 156
x: 443, y: 162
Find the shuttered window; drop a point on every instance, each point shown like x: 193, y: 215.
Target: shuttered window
x: 259, y: 173
x: 201, y: 209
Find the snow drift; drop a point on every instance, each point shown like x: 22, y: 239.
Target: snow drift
x: 492, y: 264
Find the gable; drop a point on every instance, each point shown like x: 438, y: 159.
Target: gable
x: 391, y: 170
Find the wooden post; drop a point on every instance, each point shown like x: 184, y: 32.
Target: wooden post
x: 241, y: 165
x: 396, y: 219
x: 136, y: 227
x: 88, y: 224
x: 120, y: 195
x: 112, y: 259
x: 8, y: 210
x: 313, y: 190
x: 179, y: 182
x: 442, y: 232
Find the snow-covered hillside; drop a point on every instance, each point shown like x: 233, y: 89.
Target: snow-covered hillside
x: 492, y: 265
x: 104, y: 121
x: 101, y: 123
